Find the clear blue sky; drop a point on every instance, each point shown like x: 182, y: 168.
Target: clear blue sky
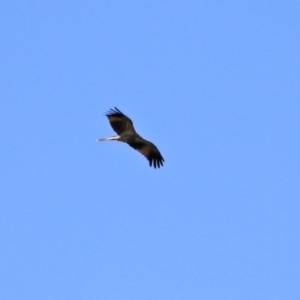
x: 215, y: 85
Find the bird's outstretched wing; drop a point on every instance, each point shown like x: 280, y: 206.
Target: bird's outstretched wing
x: 150, y: 151
x: 119, y: 122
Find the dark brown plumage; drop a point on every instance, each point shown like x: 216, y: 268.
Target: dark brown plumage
x: 123, y: 126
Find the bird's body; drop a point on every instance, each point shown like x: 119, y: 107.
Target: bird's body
x: 123, y: 126
x: 125, y: 137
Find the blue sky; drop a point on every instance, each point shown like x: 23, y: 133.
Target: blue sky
x: 215, y: 85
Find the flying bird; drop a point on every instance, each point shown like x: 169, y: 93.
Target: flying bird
x: 126, y: 133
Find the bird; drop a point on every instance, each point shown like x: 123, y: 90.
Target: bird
x: 126, y: 133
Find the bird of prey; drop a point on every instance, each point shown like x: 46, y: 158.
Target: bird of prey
x: 126, y: 133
